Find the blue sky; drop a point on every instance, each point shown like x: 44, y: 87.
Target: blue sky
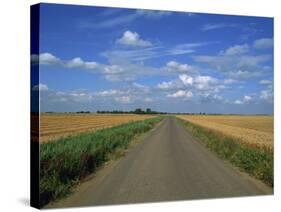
x: 95, y: 58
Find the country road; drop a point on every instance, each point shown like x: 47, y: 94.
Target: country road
x: 167, y: 165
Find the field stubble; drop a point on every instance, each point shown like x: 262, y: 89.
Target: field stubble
x: 255, y: 131
x: 54, y: 126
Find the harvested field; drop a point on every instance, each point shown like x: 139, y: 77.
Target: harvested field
x: 251, y: 130
x: 53, y: 126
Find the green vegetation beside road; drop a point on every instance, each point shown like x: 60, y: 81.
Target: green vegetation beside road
x: 67, y: 160
x: 256, y: 161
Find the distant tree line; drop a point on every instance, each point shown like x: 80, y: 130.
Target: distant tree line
x: 83, y: 111
x: 149, y: 111
x: 136, y: 111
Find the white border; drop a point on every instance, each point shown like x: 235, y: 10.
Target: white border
x: 14, y: 180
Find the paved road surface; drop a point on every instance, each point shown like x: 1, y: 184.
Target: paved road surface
x: 169, y: 164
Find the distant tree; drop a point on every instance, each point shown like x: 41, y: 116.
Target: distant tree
x: 138, y: 111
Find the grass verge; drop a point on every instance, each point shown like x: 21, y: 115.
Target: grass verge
x: 257, y: 161
x: 65, y: 161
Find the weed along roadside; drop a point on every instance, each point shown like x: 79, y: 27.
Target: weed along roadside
x: 255, y: 160
x: 67, y: 160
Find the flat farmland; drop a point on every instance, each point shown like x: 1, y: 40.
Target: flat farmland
x: 53, y: 126
x: 251, y: 130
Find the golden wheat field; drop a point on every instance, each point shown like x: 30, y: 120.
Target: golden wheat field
x: 53, y: 126
x: 252, y: 130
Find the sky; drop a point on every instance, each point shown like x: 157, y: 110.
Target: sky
x: 97, y: 58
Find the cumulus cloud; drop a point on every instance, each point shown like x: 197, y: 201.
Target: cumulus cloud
x: 167, y: 85
x: 174, y: 66
x: 130, y: 38
x: 77, y: 62
x: 116, y: 70
x: 186, y: 80
x: 49, y: 59
x: 45, y: 59
x: 203, y: 85
x: 181, y: 94
x: 236, y: 50
x: 113, y: 69
x: 247, y: 99
x: 238, y: 102
x: 40, y: 87
x: 208, y: 97
x: 263, y: 43
x: 206, y: 83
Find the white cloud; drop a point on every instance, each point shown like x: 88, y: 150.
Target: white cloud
x: 202, y: 85
x: 45, y: 58
x: 266, y: 95
x: 40, y: 87
x: 140, y: 87
x: 236, y: 61
x: 242, y: 75
x: 113, y: 69
x: 229, y: 81
x: 168, y: 85
x: 124, y: 99
x: 204, y: 79
x: 247, y: 99
x: 208, y: 27
x: 113, y: 19
x: 179, y: 51
x: 77, y: 62
x: 181, y: 93
x: 79, y: 96
x: 133, y: 39
x: 110, y: 22
x: 117, y: 70
x: 264, y: 43
x: 106, y: 93
x: 186, y: 80
x: 265, y: 82
x: 148, y: 99
x: 141, y: 54
x: 154, y: 51
x: 236, y: 50
x: 205, y: 82
x: 154, y: 14
x: 238, y: 102
x: 249, y: 61
x: 207, y: 97
x: 178, y: 67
